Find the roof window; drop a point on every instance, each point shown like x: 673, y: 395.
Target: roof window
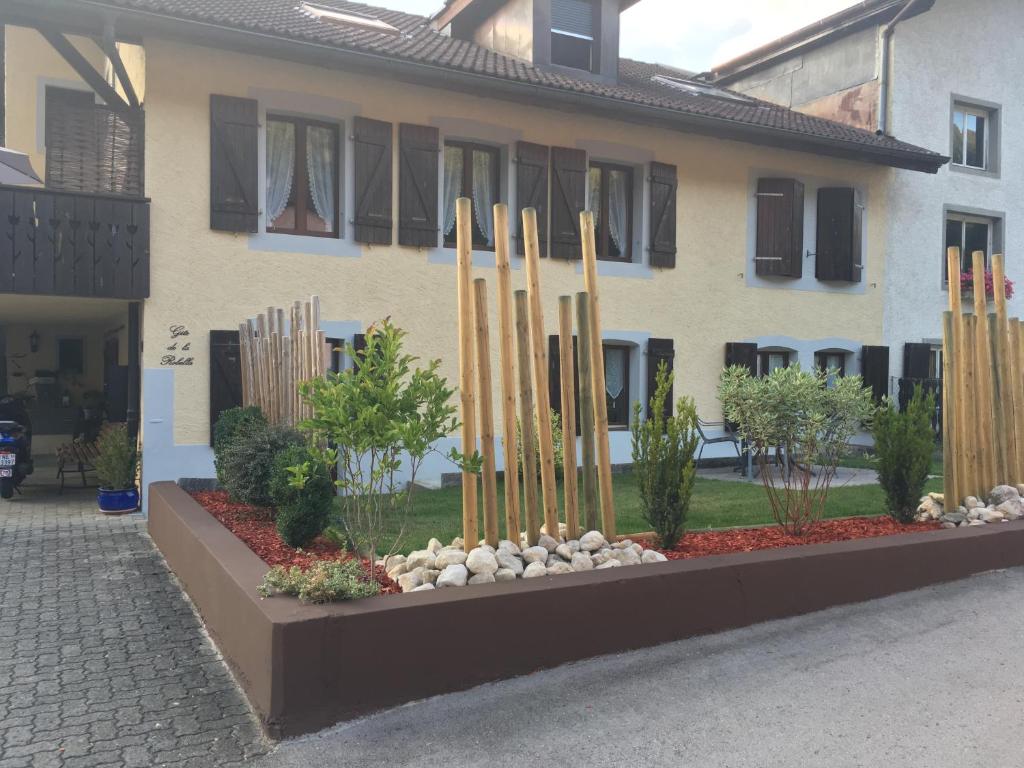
x: 345, y: 19
x: 699, y: 89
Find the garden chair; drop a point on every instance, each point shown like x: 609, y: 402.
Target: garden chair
x: 76, y: 456
x: 728, y: 436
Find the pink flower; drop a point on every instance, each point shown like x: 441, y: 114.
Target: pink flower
x: 967, y: 284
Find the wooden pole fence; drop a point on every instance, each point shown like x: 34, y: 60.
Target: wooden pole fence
x: 588, y: 468
x: 567, y: 371
x: 507, y: 361
x: 483, y: 369
x: 526, y: 419
x: 467, y: 397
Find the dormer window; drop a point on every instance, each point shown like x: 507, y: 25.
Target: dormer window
x: 572, y: 33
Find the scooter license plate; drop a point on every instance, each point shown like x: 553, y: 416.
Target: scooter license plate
x: 6, y: 472
x: 7, y: 460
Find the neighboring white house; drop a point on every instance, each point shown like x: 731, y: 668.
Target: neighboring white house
x: 942, y: 74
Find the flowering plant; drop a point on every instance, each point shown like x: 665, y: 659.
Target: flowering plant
x: 967, y: 284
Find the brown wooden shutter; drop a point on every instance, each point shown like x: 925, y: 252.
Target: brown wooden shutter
x: 780, y: 228
x: 234, y: 164
x: 225, y: 374
x: 659, y: 351
x: 371, y: 149
x: 417, y: 185
x: 838, y: 248
x: 663, y: 215
x: 568, y: 198
x: 874, y: 370
x: 532, y: 191
x: 916, y: 360
x: 358, y: 345
x: 741, y: 353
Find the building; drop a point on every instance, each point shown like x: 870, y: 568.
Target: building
x: 236, y: 157
x: 879, y: 66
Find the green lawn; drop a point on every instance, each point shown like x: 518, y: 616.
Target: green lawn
x: 867, y: 461
x: 715, y: 504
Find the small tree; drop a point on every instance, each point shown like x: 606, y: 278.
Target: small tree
x: 115, y: 459
x: 384, y: 416
x: 904, y: 443
x: 663, y: 448
x: 795, y: 416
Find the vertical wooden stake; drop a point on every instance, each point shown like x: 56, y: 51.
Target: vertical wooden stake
x: 540, y: 374
x: 464, y: 257
x: 589, y: 467
x: 1004, y: 403
x: 972, y: 478
x: 483, y: 369
x: 526, y: 419
x: 983, y: 369
x: 950, y: 488
x: 604, y: 458
x: 957, y: 345
x: 1018, y: 380
x: 1018, y: 397
x: 506, y: 333
x: 567, y: 368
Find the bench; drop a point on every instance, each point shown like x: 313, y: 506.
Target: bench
x: 76, y: 456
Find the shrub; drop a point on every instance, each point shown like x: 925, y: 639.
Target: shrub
x: 663, y: 448
x: 322, y: 582
x: 796, y: 416
x: 247, y: 461
x: 116, y: 459
x: 302, y: 490
x: 904, y: 443
x: 228, y: 424
x: 556, y: 444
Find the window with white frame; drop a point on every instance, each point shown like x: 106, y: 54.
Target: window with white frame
x: 968, y: 233
x: 973, y: 133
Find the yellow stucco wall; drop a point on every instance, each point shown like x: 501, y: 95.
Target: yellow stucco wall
x: 210, y: 280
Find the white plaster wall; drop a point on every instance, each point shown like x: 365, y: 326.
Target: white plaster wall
x: 975, y: 50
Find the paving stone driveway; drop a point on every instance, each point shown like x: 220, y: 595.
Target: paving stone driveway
x: 102, y: 661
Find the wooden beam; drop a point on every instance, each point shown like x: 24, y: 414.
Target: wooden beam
x: 485, y: 406
x: 589, y: 465
x: 464, y: 275
x: 506, y: 336
x: 983, y: 366
x: 565, y: 360
x: 950, y: 489
x: 84, y: 69
x: 109, y: 46
x: 1001, y: 343
x: 526, y: 420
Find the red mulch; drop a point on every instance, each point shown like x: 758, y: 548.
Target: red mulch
x: 255, y: 527
x: 704, y: 543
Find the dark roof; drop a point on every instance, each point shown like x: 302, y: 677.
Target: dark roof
x: 422, y: 54
x: 863, y: 14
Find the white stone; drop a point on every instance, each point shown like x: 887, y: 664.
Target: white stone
x: 481, y: 578
x: 602, y: 557
x: 449, y: 556
x: 504, y: 574
x: 547, y: 542
x: 1020, y: 489
x: 397, y: 571
x: 1012, y: 509
x: 421, y: 558
x: 481, y: 561
x: 434, y: 546
x: 535, y: 569
x: 564, y: 551
x: 622, y: 544
x: 929, y: 509
x: 562, y: 528
x: 509, y: 547
x: 510, y: 562
x: 581, y: 562
x: 626, y: 556
x: 430, y: 575
x: 424, y: 588
x: 535, y: 555
x: 652, y: 556
x: 558, y: 568
x: 552, y: 559
x: 592, y: 541
x: 977, y: 522
x: 638, y: 549
x: 409, y: 581
x: 458, y: 543
x: 609, y: 564
x: 974, y: 514
x: 1001, y: 493
x: 973, y: 501
x: 482, y: 544
x: 392, y: 562
x: 989, y: 515
x: 574, y: 545
x: 453, y: 576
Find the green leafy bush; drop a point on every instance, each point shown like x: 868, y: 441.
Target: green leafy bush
x: 794, y: 416
x: 904, y: 443
x: 247, y: 461
x: 228, y: 424
x: 302, y: 490
x: 556, y: 444
x: 663, y: 449
x: 116, y: 459
x: 323, y: 582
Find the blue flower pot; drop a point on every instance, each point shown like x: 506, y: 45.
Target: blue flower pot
x: 117, y: 502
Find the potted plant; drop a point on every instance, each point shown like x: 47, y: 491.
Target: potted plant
x: 115, y: 468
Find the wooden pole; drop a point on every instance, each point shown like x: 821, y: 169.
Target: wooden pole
x: 950, y: 487
x: 526, y: 419
x: 972, y: 477
x: 567, y: 368
x: 1018, y: 379
x: 540, y: 374
x: 604, y: 459
x: 464, y: 258
x: 1008, y: 443
x: 1018, y: 397
x: 589, y: 467
x: 960, y: 450
x: 483, y: 369
x: 506, y: 334
x: 983, y: 367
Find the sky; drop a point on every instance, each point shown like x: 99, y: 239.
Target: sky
x: 686, y: 34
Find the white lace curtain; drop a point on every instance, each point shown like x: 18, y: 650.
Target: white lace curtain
x: 452, y: 186
x: 280, y: 167
x: 483, y: 193
x: 618, y: 209
x: 594, y: 195
x: 320, y: 165
x: 614, y: 372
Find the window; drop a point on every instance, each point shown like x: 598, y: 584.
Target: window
x: 473, y: 171
x: 769, y: 360
x: 335, y: 349
x: 972, y: 132
x: 833, y: 363
x: 71, y: 356
x: 302, y: 177
x: 572, y: 33
x: 616, y: 384
x: 935, y: 363
x: 969, y: 234
x: 611, y: 202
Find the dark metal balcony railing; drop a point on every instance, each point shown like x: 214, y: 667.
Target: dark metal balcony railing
x: 73, y: 244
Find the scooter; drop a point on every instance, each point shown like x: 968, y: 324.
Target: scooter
x: 15, y: 445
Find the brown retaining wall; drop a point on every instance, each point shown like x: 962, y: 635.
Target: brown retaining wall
x: 307, y: 667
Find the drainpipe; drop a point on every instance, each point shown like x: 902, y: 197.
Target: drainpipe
x: 883, y: 90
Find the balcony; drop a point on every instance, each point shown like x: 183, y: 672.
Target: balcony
x: 73, y: 244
